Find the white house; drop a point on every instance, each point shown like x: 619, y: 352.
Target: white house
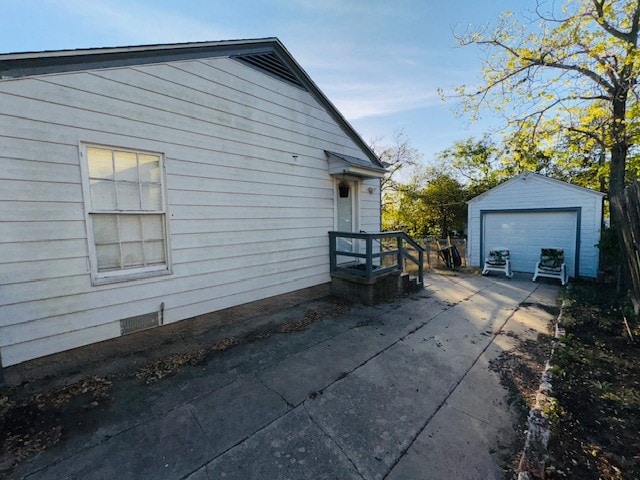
x: 530, y: 212
x: 145, y: 185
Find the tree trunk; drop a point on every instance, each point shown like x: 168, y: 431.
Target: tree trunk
x: 617, y: 168
x: 619, y: 147
x: 445, y: 223
x: 602, y: 161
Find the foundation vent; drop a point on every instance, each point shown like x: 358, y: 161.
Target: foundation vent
x: 139, y: 322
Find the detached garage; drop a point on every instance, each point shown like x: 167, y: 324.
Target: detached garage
x: 530, y: 212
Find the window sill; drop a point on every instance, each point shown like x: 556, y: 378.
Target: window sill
x: 121, y: 277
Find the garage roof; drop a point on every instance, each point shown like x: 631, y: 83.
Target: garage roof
x: 535, y: 176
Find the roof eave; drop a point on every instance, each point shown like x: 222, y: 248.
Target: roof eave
x: 357, y: 171
x: 133, y: 49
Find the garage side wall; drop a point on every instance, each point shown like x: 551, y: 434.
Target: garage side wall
x: 534, y: 192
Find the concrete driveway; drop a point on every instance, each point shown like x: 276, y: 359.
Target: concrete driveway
x: 400, y: 390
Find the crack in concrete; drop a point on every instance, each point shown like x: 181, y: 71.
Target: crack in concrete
x: 338, y: 446
x: 204, y: 465
x: 290, y: 405
x: 467, y: 414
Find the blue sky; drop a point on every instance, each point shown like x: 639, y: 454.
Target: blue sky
x: 380, y: 62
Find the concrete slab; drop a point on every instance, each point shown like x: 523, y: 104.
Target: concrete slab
x: 304, y: 374
x: 130, y: 407
x: 236, y: 411
x: 453, y: 446
x: 373, y: 414
x: 258, y: 355
x: 397, y: 390
x: 412, y: 313
x: 293, y: 447
x: 168, y: 447
x: 481, y: 395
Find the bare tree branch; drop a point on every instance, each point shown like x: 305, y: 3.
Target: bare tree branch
x: 630, y: 36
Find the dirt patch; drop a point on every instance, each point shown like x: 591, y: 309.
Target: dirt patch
x: 34, y: 423
x: 520, y: 371
x: 311, y: 316
x: 596, y: 380
x: 174, y: 363
x: 595, y: 411
x: 170, y: 365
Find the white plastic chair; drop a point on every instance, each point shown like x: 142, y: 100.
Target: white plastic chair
x: 551, y: 265
x: 498, y: 260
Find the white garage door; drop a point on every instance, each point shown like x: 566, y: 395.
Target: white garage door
x: 525, y: 233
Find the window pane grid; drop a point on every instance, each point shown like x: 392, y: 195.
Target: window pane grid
x: 150, y: 243
x: 136, y: 188
x: 127, y: 212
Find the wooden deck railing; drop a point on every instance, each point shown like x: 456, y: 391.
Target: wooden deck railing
x: 370, y: 255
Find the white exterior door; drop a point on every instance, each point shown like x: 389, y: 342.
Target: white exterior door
x: 346, y: 216
x: 525, y: 233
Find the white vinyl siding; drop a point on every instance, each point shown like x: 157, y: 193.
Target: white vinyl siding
x: 245, y: 220
x: 370, y: 202
x: 126, y: 214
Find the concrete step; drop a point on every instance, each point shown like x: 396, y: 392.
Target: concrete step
x: 408, y: 284
x: 414, y: 283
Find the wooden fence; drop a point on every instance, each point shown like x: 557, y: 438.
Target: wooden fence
x: 626, y: 207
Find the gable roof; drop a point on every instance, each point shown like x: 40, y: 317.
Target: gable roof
x: 536, y: 176
x: 268, y: 55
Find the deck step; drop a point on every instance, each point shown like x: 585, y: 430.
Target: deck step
x: 408, y: 283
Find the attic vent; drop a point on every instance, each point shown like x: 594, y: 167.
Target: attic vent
x: 139, y: 322
x: 271, y: 64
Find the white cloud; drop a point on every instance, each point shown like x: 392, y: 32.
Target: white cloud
x: 358, y: 101
x: 140, y: 24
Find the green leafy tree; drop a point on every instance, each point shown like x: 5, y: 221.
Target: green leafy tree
x: 572, y: 69
x: 477, y: 162
x: 406, y: 212
x: 582, y: 153
x: 521, y: 155
x: 444, y: 197
x: 431, y: 203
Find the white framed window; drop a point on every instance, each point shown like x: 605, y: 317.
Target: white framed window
x: 125, y: 205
